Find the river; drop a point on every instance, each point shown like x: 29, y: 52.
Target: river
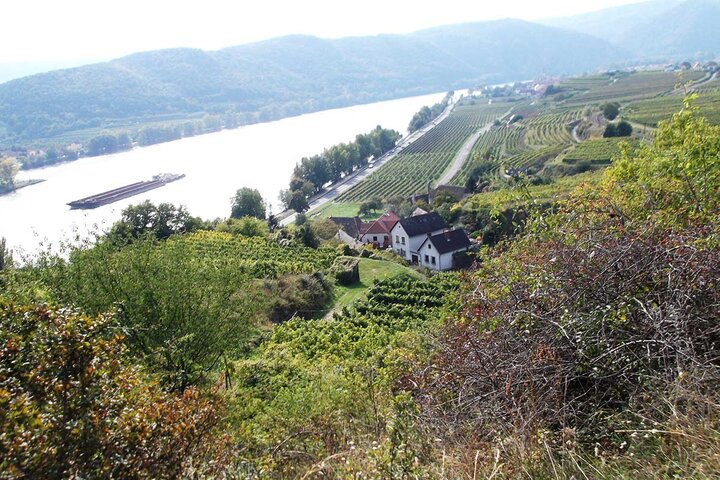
x: 260, y: 156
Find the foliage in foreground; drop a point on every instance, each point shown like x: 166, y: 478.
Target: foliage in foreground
x: 73, y: 406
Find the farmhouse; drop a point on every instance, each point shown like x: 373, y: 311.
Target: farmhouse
x: 437, y: 251
x: 349, y: 229
x: 378, y: 232
x: 409, y: 233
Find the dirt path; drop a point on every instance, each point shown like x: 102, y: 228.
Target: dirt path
x: 462, y: 155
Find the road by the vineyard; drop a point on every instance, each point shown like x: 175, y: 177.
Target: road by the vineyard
x: 464, y: 152
x: 333, y: 191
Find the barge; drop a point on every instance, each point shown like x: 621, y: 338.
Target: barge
x: 116, y: 194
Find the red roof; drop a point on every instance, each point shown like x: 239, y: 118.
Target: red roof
x: 383, y: 224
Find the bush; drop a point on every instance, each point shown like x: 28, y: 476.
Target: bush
x: 298, y: 295
x: 346, y: 270
x: 73, y: 406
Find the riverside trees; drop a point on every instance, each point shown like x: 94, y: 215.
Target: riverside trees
x: 312, y: 173
x: 8, y: 169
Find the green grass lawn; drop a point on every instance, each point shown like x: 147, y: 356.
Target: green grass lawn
x: 370, y: 270
x: 341, y: 209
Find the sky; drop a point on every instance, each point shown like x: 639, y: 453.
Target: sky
x: 73, y: 30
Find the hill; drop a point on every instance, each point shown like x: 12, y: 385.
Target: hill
x: 655, y: 30
x: 287, y: 76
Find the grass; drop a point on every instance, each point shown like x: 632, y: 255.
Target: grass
x: 342, y: 209
x: 370, y: 270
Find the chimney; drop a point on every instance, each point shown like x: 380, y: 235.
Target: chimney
x: 447, y: 235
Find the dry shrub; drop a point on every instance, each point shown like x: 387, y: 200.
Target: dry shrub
x: 573, y: 338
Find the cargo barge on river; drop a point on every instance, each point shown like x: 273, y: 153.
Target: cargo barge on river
x: 116, y: 194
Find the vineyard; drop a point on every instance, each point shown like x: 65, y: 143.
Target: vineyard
x: 650, y: 112
x: 540, y: 139
x: 529, y: 143
x: 258, y: 257
x: 632, y: 87
x: 597, y: 152
x: 426, y: 159
x: 394, y: 305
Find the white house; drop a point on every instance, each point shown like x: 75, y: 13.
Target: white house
x: 408, y: 234
x: 436, y: 252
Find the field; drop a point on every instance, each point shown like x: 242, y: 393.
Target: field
x: 371, y: 271
x: 650, y: 112
x: 256, y: 256
x: 541, y: 142
x: 426, y: 159
x: 630, y: 87
x: 598, y: 152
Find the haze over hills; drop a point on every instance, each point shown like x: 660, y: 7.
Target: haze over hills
x: 290, y: 75
x: 655, y: 30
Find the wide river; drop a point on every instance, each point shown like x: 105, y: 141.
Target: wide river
x: 260, y: 156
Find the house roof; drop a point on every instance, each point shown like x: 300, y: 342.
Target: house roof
x: 383, y: 224
x: 423, y: 224
x: 418, y: 211
x: 350, y: 225
x: 450, y: 241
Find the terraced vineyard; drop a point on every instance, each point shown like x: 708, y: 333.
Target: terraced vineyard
x: 542, y: 141
x: 633, y: 87
x: 426, y: 159
x: 598, y: 152
x: 650, y: 112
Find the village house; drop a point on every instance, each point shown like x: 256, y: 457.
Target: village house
x: 378, y: 232
x: 438, y: 251
x: 349, y: 229
x: 408, y: 234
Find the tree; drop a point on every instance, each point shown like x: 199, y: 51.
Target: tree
x: 102, y: 145
x: 620, y: 129
x: 247, y: 226
x: 294, y: 200
x: 610, y: 110
x: 160, y: 221
x: 184, y: 312
x: 8, y: 169
x: 248, y: 203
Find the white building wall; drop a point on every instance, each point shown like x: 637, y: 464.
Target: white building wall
x: 400, y: 241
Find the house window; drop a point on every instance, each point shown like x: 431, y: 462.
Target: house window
x: 397, y: 238
x: 403, y: 240
x: 429, y: 246
x: 375, y: 238
x: 432, y: 260
x: 426, y: 259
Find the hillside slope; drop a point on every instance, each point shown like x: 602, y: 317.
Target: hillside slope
x: 660, y: 30
x: 289, y: 75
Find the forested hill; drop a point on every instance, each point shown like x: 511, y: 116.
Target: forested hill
x: 287, y: 76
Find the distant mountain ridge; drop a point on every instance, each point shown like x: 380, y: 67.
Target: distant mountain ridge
x: 661, y: 30
x: 289, y: 75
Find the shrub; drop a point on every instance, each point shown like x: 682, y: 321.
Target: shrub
x: 73, y: 406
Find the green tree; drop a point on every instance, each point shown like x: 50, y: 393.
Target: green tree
x: 161, y: 221
x: 102, y: 145
x: 185, y: 313
x: 247, y: 226
x: 8, y: 169
x: 248, y: 203
x: 610, y: 110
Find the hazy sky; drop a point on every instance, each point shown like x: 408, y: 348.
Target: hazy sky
x: 60, y: 30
